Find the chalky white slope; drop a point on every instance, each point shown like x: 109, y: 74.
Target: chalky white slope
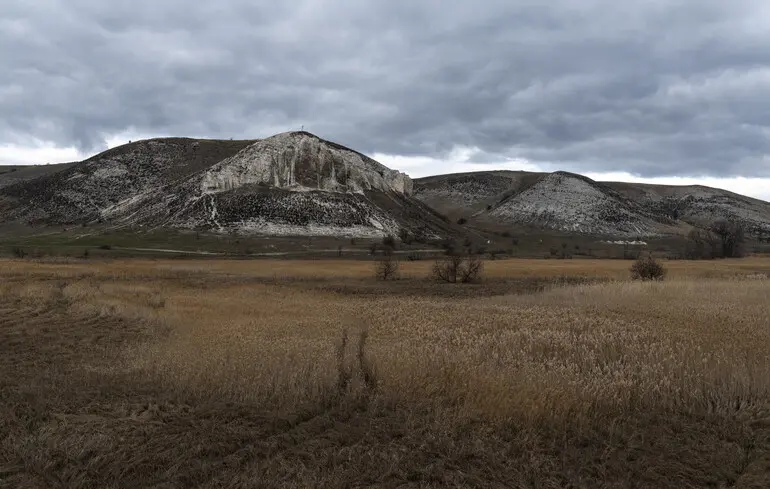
x: 572, y: 203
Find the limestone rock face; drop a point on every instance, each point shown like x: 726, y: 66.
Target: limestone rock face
x: 300, y: 161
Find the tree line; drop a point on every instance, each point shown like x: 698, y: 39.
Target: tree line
x: 722, y: 239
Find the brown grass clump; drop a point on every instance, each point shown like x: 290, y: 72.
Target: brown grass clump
x: 136, y: 374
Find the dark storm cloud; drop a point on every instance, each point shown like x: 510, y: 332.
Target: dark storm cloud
x: 653, y: 88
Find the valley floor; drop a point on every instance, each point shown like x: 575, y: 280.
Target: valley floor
x: 224, y: 373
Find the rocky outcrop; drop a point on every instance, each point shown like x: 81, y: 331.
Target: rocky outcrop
x: 300, y: 161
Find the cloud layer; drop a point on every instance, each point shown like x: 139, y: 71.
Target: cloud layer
x: 652, y: 88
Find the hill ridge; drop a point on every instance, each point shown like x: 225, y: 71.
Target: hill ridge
x: 497, y: 200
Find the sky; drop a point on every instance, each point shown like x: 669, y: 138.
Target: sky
x: 667, y: 91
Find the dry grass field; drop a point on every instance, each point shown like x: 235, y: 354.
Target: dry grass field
x: 218, y: 374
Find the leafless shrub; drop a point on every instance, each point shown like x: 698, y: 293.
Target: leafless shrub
x: 386, y: 268
x: 470, y: 270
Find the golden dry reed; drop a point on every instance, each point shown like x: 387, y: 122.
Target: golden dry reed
x: 696, y: 343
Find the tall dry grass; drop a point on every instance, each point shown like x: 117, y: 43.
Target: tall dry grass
x: 667, y: 383
x: 685, y: 346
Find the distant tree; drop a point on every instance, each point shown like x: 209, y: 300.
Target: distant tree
x: 462, y: 221
x: 732, y: 238
x: 453, y: 269
x: 389, y: 240
x: 702, y: 244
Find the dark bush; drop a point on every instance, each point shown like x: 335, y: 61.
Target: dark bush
x: 647, y: 268
x: 462, y: 221
x: 389, y: 240
x: 554, y: 251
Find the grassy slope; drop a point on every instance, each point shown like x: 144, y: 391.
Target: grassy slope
x: 207, y: 374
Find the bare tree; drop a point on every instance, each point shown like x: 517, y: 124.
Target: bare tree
x: 386, y: 268
x: 701, y: 245
x: 446, y: 270
x: 471, y: 269
x: 454, y: 268
x: 732, y: 237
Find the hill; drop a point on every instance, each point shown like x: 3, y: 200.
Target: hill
x: 571, y: 203
x: 289, y: 184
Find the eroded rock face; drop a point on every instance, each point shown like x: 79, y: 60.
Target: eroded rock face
x: 300, y: 161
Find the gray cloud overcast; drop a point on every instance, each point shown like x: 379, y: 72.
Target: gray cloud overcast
x: 654, y: 88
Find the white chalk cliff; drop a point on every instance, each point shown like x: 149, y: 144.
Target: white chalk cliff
x: 300, y: 161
